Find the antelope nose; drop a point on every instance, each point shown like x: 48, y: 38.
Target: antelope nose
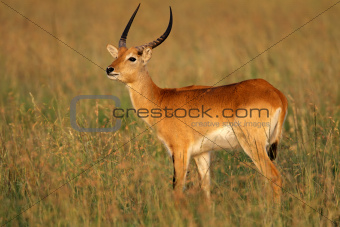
x: 109, y: 70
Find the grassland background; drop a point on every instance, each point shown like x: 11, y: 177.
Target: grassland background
x: 39, y: 76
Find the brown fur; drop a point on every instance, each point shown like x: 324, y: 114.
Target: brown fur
x: 178, y: 135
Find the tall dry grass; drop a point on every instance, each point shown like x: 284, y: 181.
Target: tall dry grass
x: 39, y: 151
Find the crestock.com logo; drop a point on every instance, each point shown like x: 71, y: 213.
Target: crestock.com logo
x: 73, y: 113
x: 203, y: 113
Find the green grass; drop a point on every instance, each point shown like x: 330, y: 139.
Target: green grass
x: 39, y: 76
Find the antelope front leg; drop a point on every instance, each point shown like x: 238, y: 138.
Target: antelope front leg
x: 180, y: 160
x: 203, y: 167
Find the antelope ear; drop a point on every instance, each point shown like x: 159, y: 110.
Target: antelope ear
x: 146, y: 56
x: 112, y: 50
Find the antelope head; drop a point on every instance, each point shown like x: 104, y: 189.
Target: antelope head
x: 129, y: 62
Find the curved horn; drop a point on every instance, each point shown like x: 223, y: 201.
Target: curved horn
x: 122, y: 41
x: 160, y: 40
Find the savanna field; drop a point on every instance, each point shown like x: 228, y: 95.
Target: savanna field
x: 51, y: 174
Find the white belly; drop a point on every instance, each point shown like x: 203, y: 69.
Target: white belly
x: 222, y: 138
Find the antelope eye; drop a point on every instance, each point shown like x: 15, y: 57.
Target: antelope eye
x: 132, y: 59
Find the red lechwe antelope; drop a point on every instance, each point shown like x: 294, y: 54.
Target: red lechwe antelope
x: 249, y: 114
